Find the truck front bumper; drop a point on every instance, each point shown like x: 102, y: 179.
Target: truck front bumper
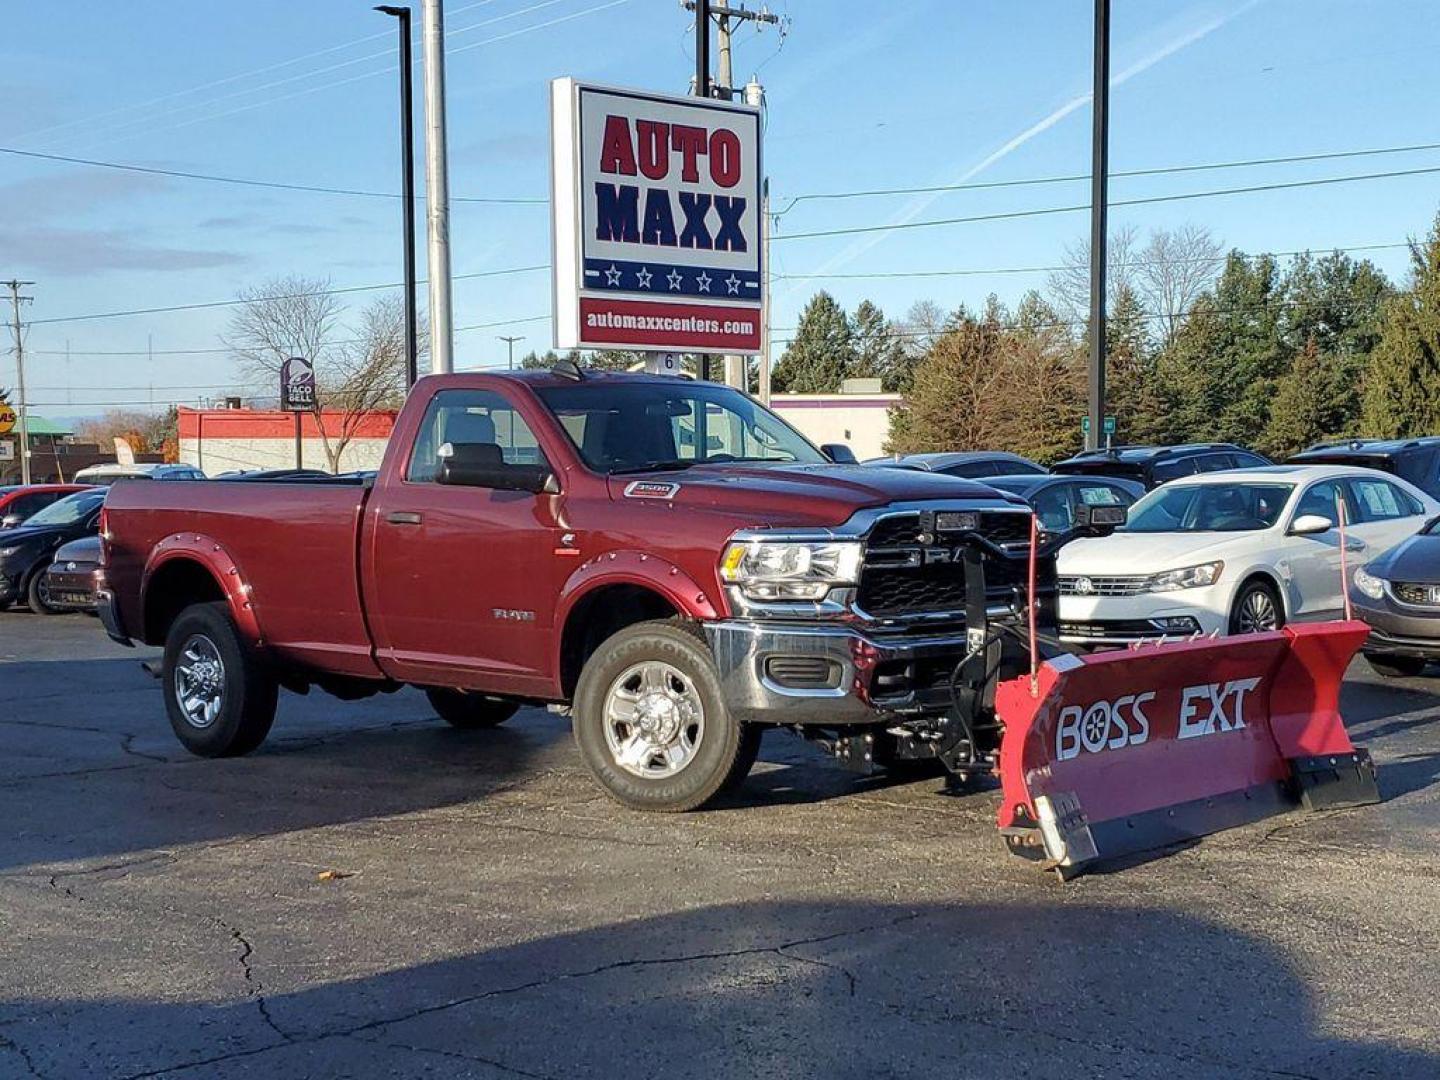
x: 829, y: 676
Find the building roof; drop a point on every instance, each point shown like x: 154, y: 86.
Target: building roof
x: 38, y: 425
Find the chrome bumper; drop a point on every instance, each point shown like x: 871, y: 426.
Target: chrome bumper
x: 110, y: 617
x: 743, y: 648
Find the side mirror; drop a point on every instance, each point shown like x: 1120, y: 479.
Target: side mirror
x: 1310, y: 525
x: 839, y: 453
x: 1099, y: 520
x: 11, y: 521
x: 482, y: 465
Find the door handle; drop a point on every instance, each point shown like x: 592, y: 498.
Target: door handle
x: 403, y: 517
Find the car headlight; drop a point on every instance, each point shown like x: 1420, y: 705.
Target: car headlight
x: 5, y: 553
x: 1189, y: 577
x: 790, y: 570
x: 1369, y: 584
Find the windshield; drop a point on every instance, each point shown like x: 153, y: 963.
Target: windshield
x: 635, y: 426
x: 69, y: 510
x: 1209, y: 508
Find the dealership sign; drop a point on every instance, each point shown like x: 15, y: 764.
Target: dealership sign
x: 656, y: 221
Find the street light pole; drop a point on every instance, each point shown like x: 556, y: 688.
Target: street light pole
x: 437, y: 189
x: 407, y: 186
x: 18, y: 329
x: 510, y: 341
x: 1099, y: 170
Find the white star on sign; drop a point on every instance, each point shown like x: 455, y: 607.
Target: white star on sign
x: 703, y: 281
x: 675, y: 279
x: 612, y: 276
x: 644, y: 277
x: 732, y: 285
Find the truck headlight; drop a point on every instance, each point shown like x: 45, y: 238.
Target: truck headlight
x: 790, y: 570
x: 1189, y: 577
x: 1369, y: 584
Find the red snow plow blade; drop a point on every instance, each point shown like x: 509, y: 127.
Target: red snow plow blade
x: 1122, y: 752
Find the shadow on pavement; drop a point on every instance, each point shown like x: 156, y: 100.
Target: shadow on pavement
x: 797, y: 990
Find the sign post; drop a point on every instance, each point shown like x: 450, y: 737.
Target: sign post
x: 297, y: 395
x: 656, y: 224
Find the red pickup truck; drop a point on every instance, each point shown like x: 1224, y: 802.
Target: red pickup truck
x: 664, y: 558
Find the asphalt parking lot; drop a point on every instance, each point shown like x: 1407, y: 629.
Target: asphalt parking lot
x: 375, y: 895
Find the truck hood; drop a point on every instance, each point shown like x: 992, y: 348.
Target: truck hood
x: 798, y: 494
x: 1123, y: 554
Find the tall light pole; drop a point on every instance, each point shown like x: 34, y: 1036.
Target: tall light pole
x: 1099, y: 170
x: 437, y: 189
x: 407, y: 186
x: 19, y: 331
x: 510, y: 341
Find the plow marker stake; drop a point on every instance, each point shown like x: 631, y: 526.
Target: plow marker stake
x: 1124, y: 752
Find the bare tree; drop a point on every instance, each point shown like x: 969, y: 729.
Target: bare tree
x: 1175, y: 267
x: 357, y: 371
x: 1069, y: 287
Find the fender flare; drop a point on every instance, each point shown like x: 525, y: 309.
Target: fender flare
x: 628, y: 567
x: 221, y: 565
x: 1267, y: 572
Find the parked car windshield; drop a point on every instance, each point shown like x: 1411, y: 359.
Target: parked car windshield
x: 623, y: 426
x: 69, y: 510
x: 1209, y: 508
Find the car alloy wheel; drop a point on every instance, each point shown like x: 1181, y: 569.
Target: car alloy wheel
x: 200, y: 681
x: 654, y: 720
x: 1258, y: 612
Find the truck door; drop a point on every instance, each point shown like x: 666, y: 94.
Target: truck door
x: 461, y: 581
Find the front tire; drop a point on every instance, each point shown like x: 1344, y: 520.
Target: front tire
x: 470, y: 712
x: 651, y: 723
x: 220, y: 698
x: 37, y: 594
x: 1257, y: 609
x: 1396, y: 667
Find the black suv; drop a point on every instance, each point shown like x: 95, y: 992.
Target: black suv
x: 1416, y: 460
x: 1153, y: 465
x: 26, y: 552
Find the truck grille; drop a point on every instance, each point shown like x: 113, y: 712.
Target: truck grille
x: 1420, y: 595
x: 1089, y: 585
x: 905, y: 576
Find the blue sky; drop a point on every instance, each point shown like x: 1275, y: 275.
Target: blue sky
x: 861, y: 95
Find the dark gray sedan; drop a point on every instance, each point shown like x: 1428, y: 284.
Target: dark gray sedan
x: 1398, y: 594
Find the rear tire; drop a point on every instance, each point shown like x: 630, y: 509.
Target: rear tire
x: 470, y: 712
x: 220, y: 698
x: 650, y: 720
x: 37, y: 594
x: 1257, y: 609
x: 1396, y: 667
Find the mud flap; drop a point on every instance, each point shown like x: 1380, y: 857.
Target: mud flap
x: 1118, y: 753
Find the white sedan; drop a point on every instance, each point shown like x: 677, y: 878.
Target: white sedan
x: 1234, y: 552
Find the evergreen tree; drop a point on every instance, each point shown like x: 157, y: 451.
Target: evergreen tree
x: 1132, y: 394
x: 878, y: 352
x: 958, y: 394
x: 1301, y: 412
x: 822, y: 353
x: 1402, y: 382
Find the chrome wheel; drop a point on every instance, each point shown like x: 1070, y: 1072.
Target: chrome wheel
x: 199, y: 681
x: 1258, y: 613
x: 654, y: 720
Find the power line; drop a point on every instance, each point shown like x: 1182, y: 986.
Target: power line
x: 1052, y: 210
x: 984, y: 271
x: 248, y: 182
x: 1075, y: 177
x: 261, y: 299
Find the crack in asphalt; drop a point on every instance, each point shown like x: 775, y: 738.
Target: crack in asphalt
x: 474, y: 1059
x: 254, y: 987
x: 355, y: 1031
x: 23, y: 1054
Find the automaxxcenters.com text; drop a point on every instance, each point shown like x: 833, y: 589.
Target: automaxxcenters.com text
x: 686, y: 324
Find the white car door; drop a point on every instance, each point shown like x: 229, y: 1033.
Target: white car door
x: 1314, y: 560
x: 1384, y: 514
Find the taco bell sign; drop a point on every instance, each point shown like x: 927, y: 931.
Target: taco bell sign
x: 656, y: 221
x: 297, y: 385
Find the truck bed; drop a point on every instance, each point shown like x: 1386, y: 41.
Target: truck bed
x: 289, y: 544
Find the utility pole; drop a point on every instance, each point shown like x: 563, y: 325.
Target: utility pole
x: 510, y: 341
x: 407, y: 185
x: 764, y: 387
x: 724, y: 89
x: 437, y: 189
x: 15, y: 328
x: 1099, y: 172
